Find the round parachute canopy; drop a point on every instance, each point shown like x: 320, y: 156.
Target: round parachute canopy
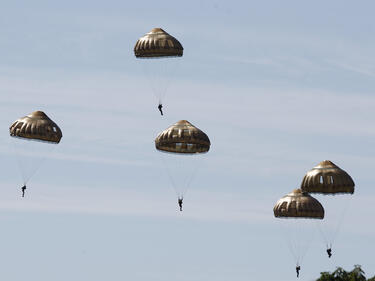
x: 298, y: 204
x: 36, y: 126
x: 158, y: 43
x: 182, y: 137
x: 327, y: 178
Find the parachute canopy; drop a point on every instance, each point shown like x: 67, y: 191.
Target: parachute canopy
x: 183, y: 137
x: 36, y: 126
x: 158, y: 43
x: 298, y: 204
x: 327, y: 178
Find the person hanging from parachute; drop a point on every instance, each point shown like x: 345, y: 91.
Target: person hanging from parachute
x: 162, y: 49
x: 298, y: 268
x: 179, y: 142
x: 329, y: 252
x: 180, y: 201
x: 295, y: 208
x: 160, y: 106
x: 36, y: 129
x: 328, y: 179
x: 23, y: 188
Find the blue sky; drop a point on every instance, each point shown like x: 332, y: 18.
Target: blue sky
x: 277, y: 86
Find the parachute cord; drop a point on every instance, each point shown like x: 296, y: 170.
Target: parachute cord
x: 27, y: 175
x: 170, y: 177
x: 340, y: 222
x: 290, y: 241
x: 323, y: 234
x: 292, y: 250
x: 308, y: 243
x: 192, y: 176
x: 172, y: 69
x: 329, y: 228
x: 296, y: 239
x: 181, y: 163
x: 20, y: 168
x: 23, y: 173
x: 159, y: 73
x: 298, y: 243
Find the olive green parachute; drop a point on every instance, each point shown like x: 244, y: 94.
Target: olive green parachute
x: 182, y: 148
x: 327, y: 178
x: 298, y: 204
x: 297, y: 213
x: 182, y: 137
x: 158, y: 43
x: 36, y: 126
x: 34, y: 136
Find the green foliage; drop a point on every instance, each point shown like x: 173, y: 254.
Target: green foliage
x: 357, y: 274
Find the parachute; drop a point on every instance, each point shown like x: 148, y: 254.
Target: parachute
x: 160, y: 51
x: 181, y: 146
x: 298, y: 204
x: 36, y: 126
x: 298, y: 209
x: 158, y: 43
x: 33, y: 137
x: 183, y: 137
x: 328, y: 179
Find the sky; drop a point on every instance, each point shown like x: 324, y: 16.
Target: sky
x: 278, y: 86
